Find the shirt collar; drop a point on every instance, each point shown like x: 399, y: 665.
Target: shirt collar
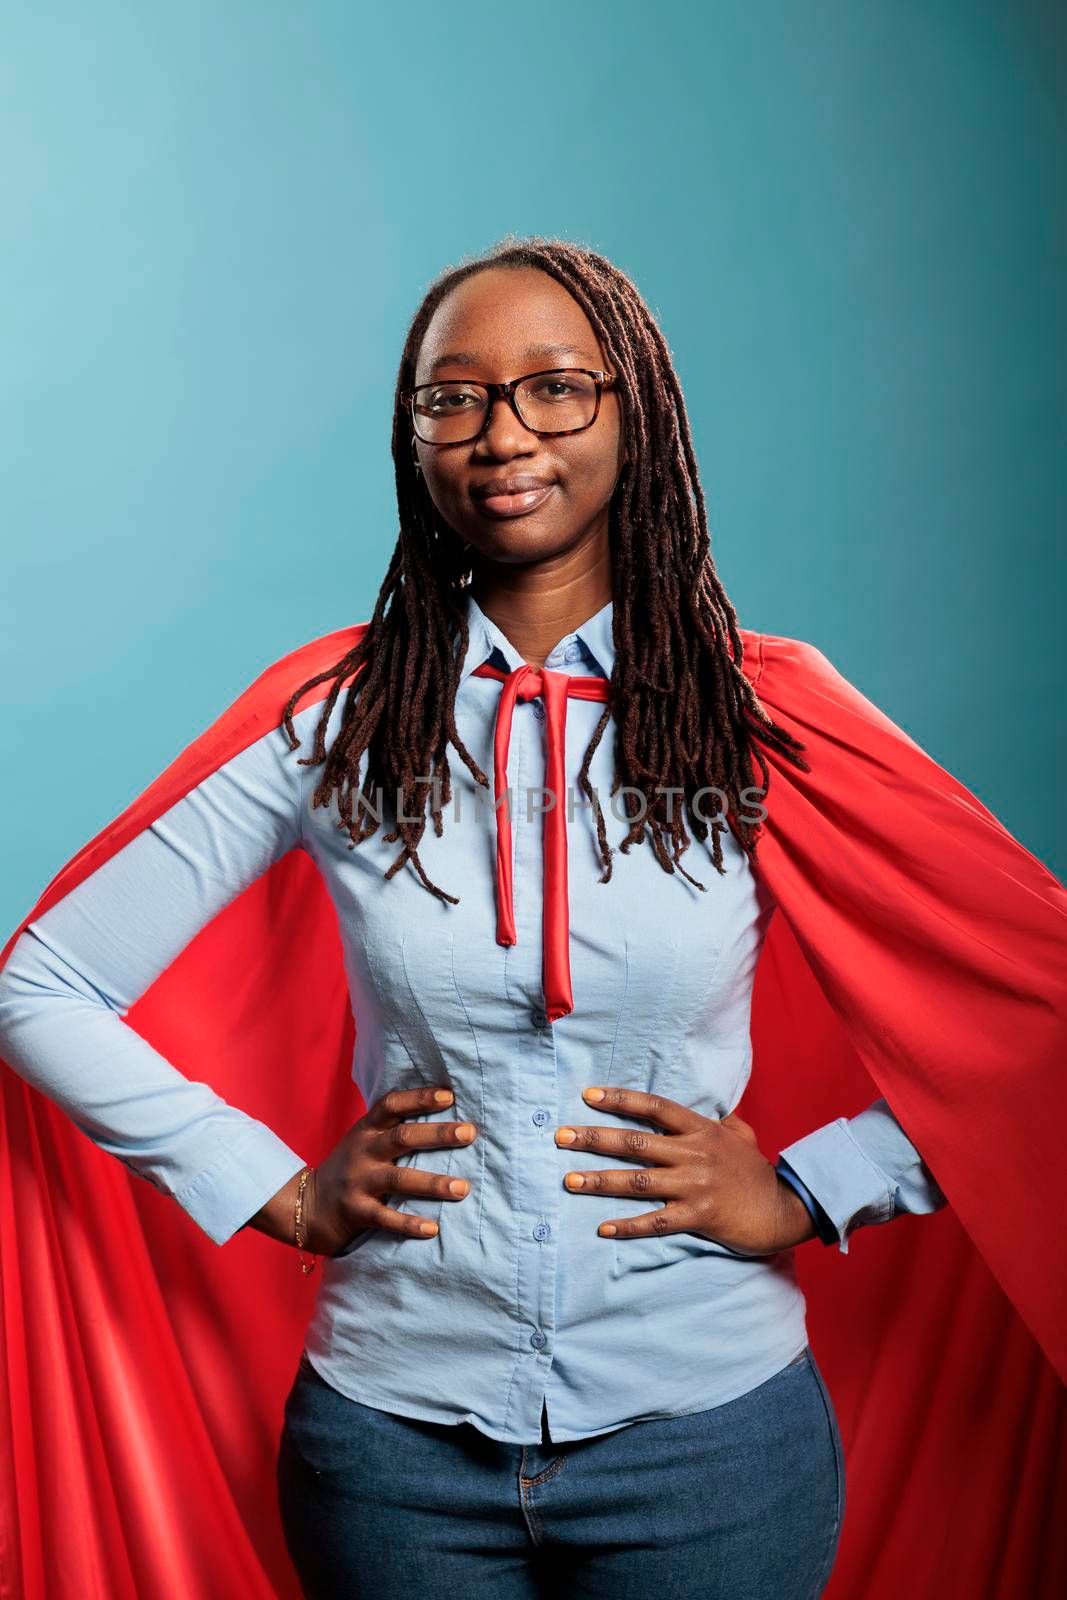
x: 486, y: 642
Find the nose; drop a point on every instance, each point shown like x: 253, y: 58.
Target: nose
x: 505, y: 435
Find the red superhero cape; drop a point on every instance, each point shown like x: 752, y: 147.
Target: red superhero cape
x: 919, y: 952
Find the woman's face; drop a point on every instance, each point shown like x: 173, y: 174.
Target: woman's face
x: 503, y: 323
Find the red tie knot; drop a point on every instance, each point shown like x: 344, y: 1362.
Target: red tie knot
x: 527, y: 681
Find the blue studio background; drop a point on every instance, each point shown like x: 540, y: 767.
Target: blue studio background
x: 219, y: 219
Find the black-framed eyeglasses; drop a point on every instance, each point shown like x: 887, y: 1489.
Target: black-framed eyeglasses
x: 457, y: 410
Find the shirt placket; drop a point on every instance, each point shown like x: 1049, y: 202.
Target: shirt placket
x: 536, y: 1089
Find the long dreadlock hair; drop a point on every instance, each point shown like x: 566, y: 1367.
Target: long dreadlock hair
x: 686, y: 716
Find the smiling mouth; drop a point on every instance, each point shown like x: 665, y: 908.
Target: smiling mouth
x: 514, y: 505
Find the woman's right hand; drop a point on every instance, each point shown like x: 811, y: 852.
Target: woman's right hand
x: 342, y: 1195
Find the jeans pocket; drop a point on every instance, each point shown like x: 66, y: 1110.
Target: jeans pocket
x: 839, y: 1470
x: 318, y: 1422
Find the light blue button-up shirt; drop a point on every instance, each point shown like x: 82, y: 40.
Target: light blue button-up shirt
x: 517, y: 1310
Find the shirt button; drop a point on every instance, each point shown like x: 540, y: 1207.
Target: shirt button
x: 542, y: 1230
x: 538, y: 1340
x: 541, y: 1117
x: 539, y: 1019
x: 572, y: 653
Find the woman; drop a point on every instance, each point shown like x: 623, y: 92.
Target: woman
x: 501, y: 1382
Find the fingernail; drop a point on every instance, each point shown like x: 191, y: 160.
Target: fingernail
x: 442, y: 1096
x: 607, y: 1229
x: 458, y: 1186
x: 427, y: 1228
x: 466, y: 1132
x: 574, y: 1180
x: 594, y: 1094
x: 565, y: 1135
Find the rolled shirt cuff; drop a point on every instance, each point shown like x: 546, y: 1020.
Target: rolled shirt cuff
x: 824, y: 1227
x: 851, y: 1190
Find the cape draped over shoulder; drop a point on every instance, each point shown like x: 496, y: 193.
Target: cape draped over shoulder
x: 916, y: 945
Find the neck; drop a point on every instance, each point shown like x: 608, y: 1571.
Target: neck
x: 538, y: 604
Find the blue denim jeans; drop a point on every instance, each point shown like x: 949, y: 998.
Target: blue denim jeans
x: 740, y: 1502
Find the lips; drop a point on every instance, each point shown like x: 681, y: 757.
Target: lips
x: 515, y: 505
x: 513, y: 497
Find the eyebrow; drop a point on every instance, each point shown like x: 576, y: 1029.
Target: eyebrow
x: 534, y: 352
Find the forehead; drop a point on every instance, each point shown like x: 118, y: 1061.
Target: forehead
x: 497, y: 317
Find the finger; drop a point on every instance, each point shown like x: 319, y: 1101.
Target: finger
x: 416, y: 1181
x: 383, y: 1216
x: 633, y: 1143
x: 404, y: 1137
x: 392, y: 1107
x: 650, y: 1224
x: 644, y: 1181
x: 669, y: 1114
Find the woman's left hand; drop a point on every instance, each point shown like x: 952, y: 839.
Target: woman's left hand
x: 709, y: 1172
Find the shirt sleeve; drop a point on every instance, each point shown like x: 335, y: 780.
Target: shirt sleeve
x: 75, y: 971
x: 824, y: 1227
x: 861, y: 1171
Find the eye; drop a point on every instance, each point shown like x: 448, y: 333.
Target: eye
x: 450, y: 397
x: 554, y: 388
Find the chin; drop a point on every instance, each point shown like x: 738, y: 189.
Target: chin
x: 515, y: 544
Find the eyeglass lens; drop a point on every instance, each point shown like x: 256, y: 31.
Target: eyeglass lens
x: 549, y: 402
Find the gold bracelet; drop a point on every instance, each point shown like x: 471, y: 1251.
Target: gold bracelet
x: 304, y: 1176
